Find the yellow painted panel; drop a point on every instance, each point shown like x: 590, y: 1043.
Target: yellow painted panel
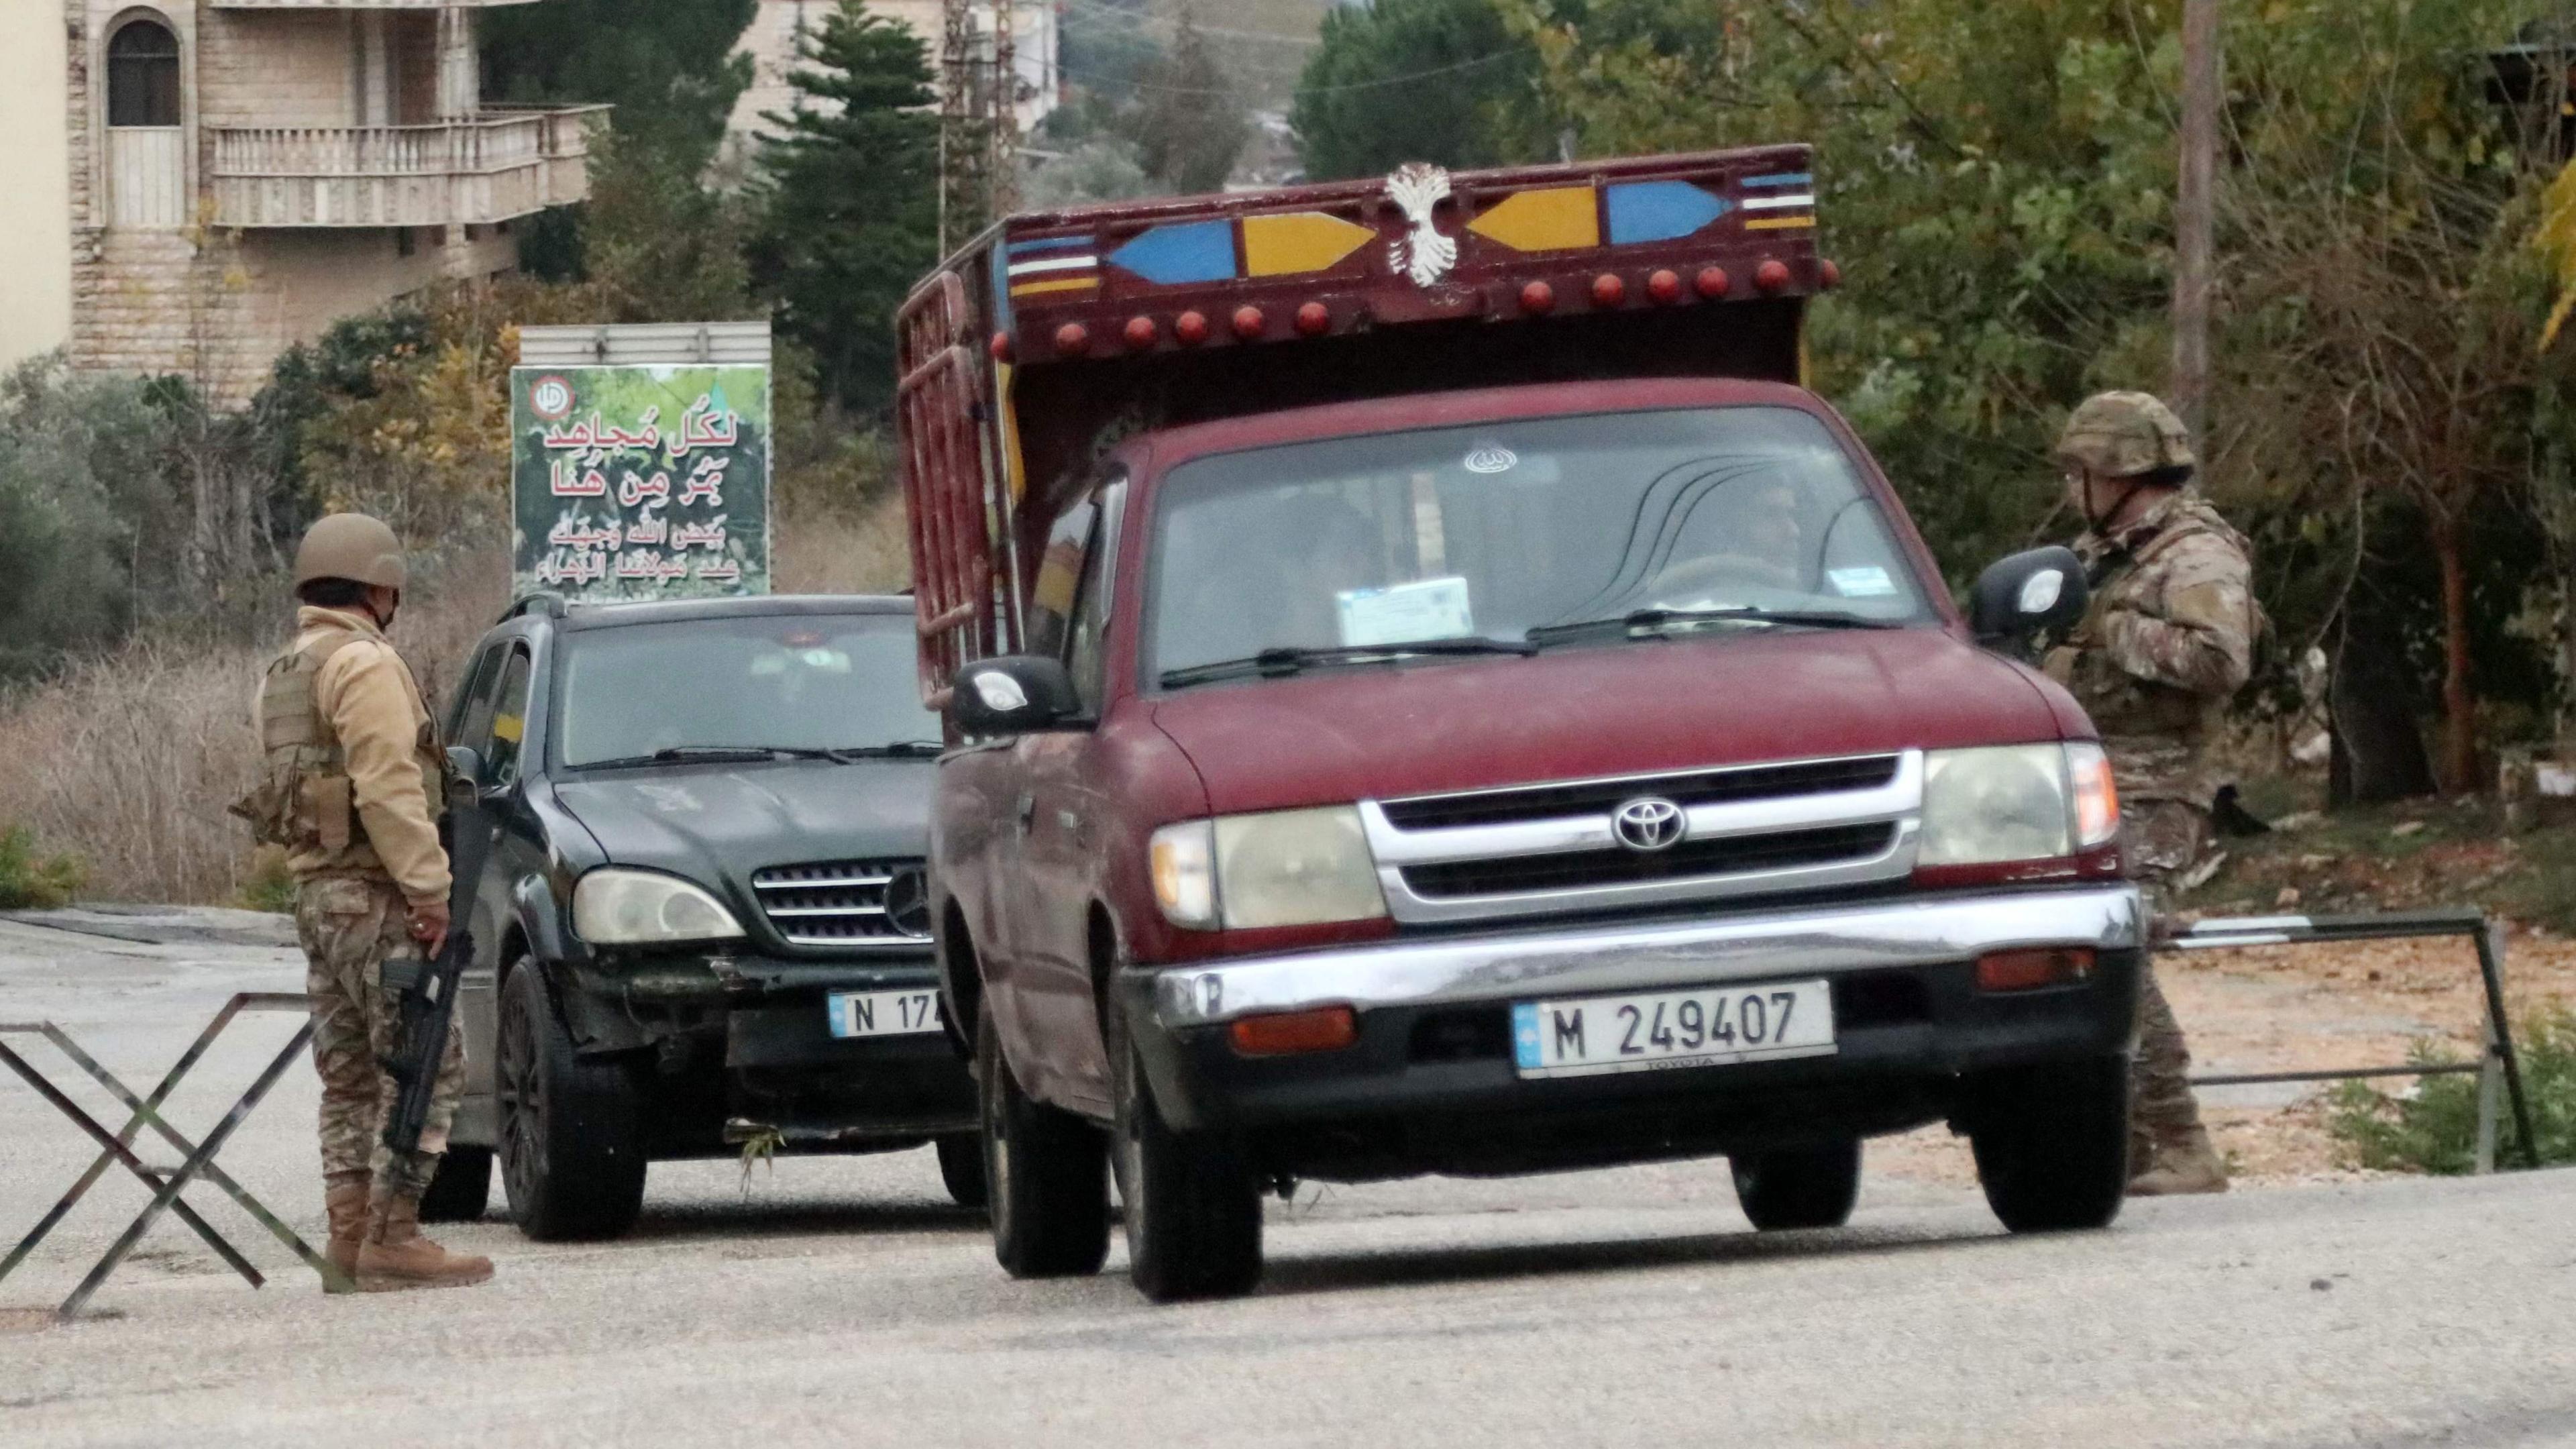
x: 1299, y: 241
x: 1782, y: 223
x: 1543, y: 221
x: 1075, y: 284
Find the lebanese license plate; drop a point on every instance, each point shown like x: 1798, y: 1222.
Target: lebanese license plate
x: 884, y: 1013
x: 1655, y: 1031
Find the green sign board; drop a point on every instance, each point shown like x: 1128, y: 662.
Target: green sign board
x: 647, y: 482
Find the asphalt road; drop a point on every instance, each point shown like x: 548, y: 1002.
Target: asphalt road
x: 842, y: 1302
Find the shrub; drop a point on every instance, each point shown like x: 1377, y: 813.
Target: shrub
x: 268, y: 885
x: 2436, y: 1129
x: 31, y: 879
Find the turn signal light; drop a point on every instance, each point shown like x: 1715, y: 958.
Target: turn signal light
x: 1287, y: 1033
x: 2031, y: 970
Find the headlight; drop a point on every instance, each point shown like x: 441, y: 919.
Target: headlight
x: 1286, y: 868
x: 1985, y: 807
x: 638, y: 907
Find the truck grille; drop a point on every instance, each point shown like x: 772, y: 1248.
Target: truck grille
x: 1578, y: 870
x: 1746, y: 831
x: 865, y: 904
x: 1705, y: 787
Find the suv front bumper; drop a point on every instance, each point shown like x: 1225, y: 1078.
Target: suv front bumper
x: 1430, y: 1084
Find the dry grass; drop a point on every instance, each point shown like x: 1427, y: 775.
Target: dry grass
x: 128, y: 761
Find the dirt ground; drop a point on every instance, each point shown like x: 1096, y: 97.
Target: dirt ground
x: 2288, y: 1008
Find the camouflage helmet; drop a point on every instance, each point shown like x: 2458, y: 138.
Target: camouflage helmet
x: 351, y: 546
x: 2123, y: 435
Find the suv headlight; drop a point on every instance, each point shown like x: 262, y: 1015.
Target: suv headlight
x: 1283, y: 868
x: 2017, y: 802
x: 639, y: 907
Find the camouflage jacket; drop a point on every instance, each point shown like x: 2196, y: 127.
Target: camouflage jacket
x: 2167, y: 640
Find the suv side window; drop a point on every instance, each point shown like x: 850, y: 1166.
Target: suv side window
x: 473, y: 708
x: 509, y: 721
x: 1086, y: 649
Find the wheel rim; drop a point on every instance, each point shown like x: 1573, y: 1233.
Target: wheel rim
x: 997, y: 1150
x: 521, y: 1089
x: 1131, y: 1149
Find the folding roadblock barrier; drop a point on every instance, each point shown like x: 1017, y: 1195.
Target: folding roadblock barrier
x: 2497, y: 1066
x: 197, y: 1159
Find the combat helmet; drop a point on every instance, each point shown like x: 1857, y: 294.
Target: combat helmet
x: 351, y: 546
x: 2125, y: 435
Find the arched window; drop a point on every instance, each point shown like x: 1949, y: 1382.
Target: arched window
x: 143, y: 75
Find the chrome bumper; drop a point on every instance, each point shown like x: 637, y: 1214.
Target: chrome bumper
x: 1602, y: 959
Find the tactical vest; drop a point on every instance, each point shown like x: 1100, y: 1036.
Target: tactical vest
x: 303, y: 800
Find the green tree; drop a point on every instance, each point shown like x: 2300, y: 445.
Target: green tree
x: 69, y: 446
x: 849, y: 197
x: 667, y: 65
x: 1444, y: 81
x: 1190, y: 124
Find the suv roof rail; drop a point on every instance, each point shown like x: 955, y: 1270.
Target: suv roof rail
x: 543, y: 601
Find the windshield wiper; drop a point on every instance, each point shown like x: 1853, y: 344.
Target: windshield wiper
x: 1650, y: 622
x: 707, y: 754
x: 896, y: 750
x: 1278, y: 663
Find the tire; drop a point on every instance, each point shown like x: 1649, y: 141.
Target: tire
x: 1047, y: 1174
x: 572, y: 1132
x: 961, y: 1170
x: 2052, y: 1143
x: 1193, y: 1205
x: 462, y: 1188
x: 1807, y: 1187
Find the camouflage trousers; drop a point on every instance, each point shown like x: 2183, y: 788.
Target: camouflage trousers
x: 348, y: 926
x: 2166, y: 840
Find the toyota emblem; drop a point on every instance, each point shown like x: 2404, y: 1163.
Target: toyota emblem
x: 1648, y: 824
x: 907, y: 902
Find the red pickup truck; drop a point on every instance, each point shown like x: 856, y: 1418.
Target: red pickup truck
x: 1429, y: 691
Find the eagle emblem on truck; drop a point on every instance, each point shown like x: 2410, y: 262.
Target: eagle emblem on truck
x: 1422, y: 253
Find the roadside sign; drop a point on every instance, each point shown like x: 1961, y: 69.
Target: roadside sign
x: 640, y: 482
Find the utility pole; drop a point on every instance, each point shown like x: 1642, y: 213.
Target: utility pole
x: 2195, y: 213
x: 978, y: 116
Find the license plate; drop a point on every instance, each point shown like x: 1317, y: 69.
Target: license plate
x: 884, y: 1013
x: 1655, y: 1031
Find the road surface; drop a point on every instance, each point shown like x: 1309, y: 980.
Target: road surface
x: 842, y: 1302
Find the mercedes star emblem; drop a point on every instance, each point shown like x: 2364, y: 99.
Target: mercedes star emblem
x: 1648, y: 824
x: 907, y: 902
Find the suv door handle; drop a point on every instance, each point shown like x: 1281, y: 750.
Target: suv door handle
x: 1028, y: 810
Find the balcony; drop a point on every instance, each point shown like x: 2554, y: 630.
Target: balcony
x: 502, y: 163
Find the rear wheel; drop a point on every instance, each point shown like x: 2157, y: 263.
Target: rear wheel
x: 1806, y: 1187
x: 1046, y: 1171
x: 2052, y: 1143
x: 572, y: 1132
x: 462, y: 1188
x: 1193, y: 1205
x: 961, y: 1169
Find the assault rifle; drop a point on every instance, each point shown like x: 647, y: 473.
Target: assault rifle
x: 425, y: 989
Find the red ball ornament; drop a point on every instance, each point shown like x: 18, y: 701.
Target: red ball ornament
x: 1190, y: 328
x: 1713, y: 282
x: 1665, y: 285
x: 1072, y: 339
x: 1141, y: 332
x: 1249, y: 323
x: 1538, y: 297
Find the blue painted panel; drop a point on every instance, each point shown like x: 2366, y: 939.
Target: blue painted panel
x: 1794, y: 178
x: 1197, y: 251
x: 1647, y: 211
x: 1050, y: 244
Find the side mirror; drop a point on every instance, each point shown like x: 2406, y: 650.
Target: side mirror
x: 2020, y: 596
x: 1016, y: 694
x: 464, y: 776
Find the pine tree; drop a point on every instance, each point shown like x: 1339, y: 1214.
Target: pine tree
x: 1192, y: 125
x: 849, y: 199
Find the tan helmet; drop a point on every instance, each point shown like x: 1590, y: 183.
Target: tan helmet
x: 351, y: 546
x: 2125, y: 434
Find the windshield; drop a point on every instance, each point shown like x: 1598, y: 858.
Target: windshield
x: 1496, y: 530
x: 800, y: 682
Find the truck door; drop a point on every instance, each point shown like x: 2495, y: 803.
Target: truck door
x: 1061, y: 810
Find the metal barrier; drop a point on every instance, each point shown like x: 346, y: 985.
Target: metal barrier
x: 166, y: 1183
x: 2496, y: 1065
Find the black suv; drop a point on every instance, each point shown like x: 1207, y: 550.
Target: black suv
x: 703, y: 927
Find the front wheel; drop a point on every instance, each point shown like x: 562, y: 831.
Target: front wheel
x: 1808, y: 1187
x: 961, y: 1169
x: 2052, y: 1143
x: 1193, y: 1205
x: 572, y: 1128
x: 1046, y: 1170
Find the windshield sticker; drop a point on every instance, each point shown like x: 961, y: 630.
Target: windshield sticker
x: 1492, y: 458
x: 1405, y: 613
x: 1862, y: 583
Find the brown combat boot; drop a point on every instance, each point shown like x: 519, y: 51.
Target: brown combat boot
x: 2182, y: 1164
x: 395, y: 1256
x: 344, y: 1197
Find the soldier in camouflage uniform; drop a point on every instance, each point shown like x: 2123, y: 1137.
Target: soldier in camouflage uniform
x: 2167, y: 639
x: 353, y: 771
